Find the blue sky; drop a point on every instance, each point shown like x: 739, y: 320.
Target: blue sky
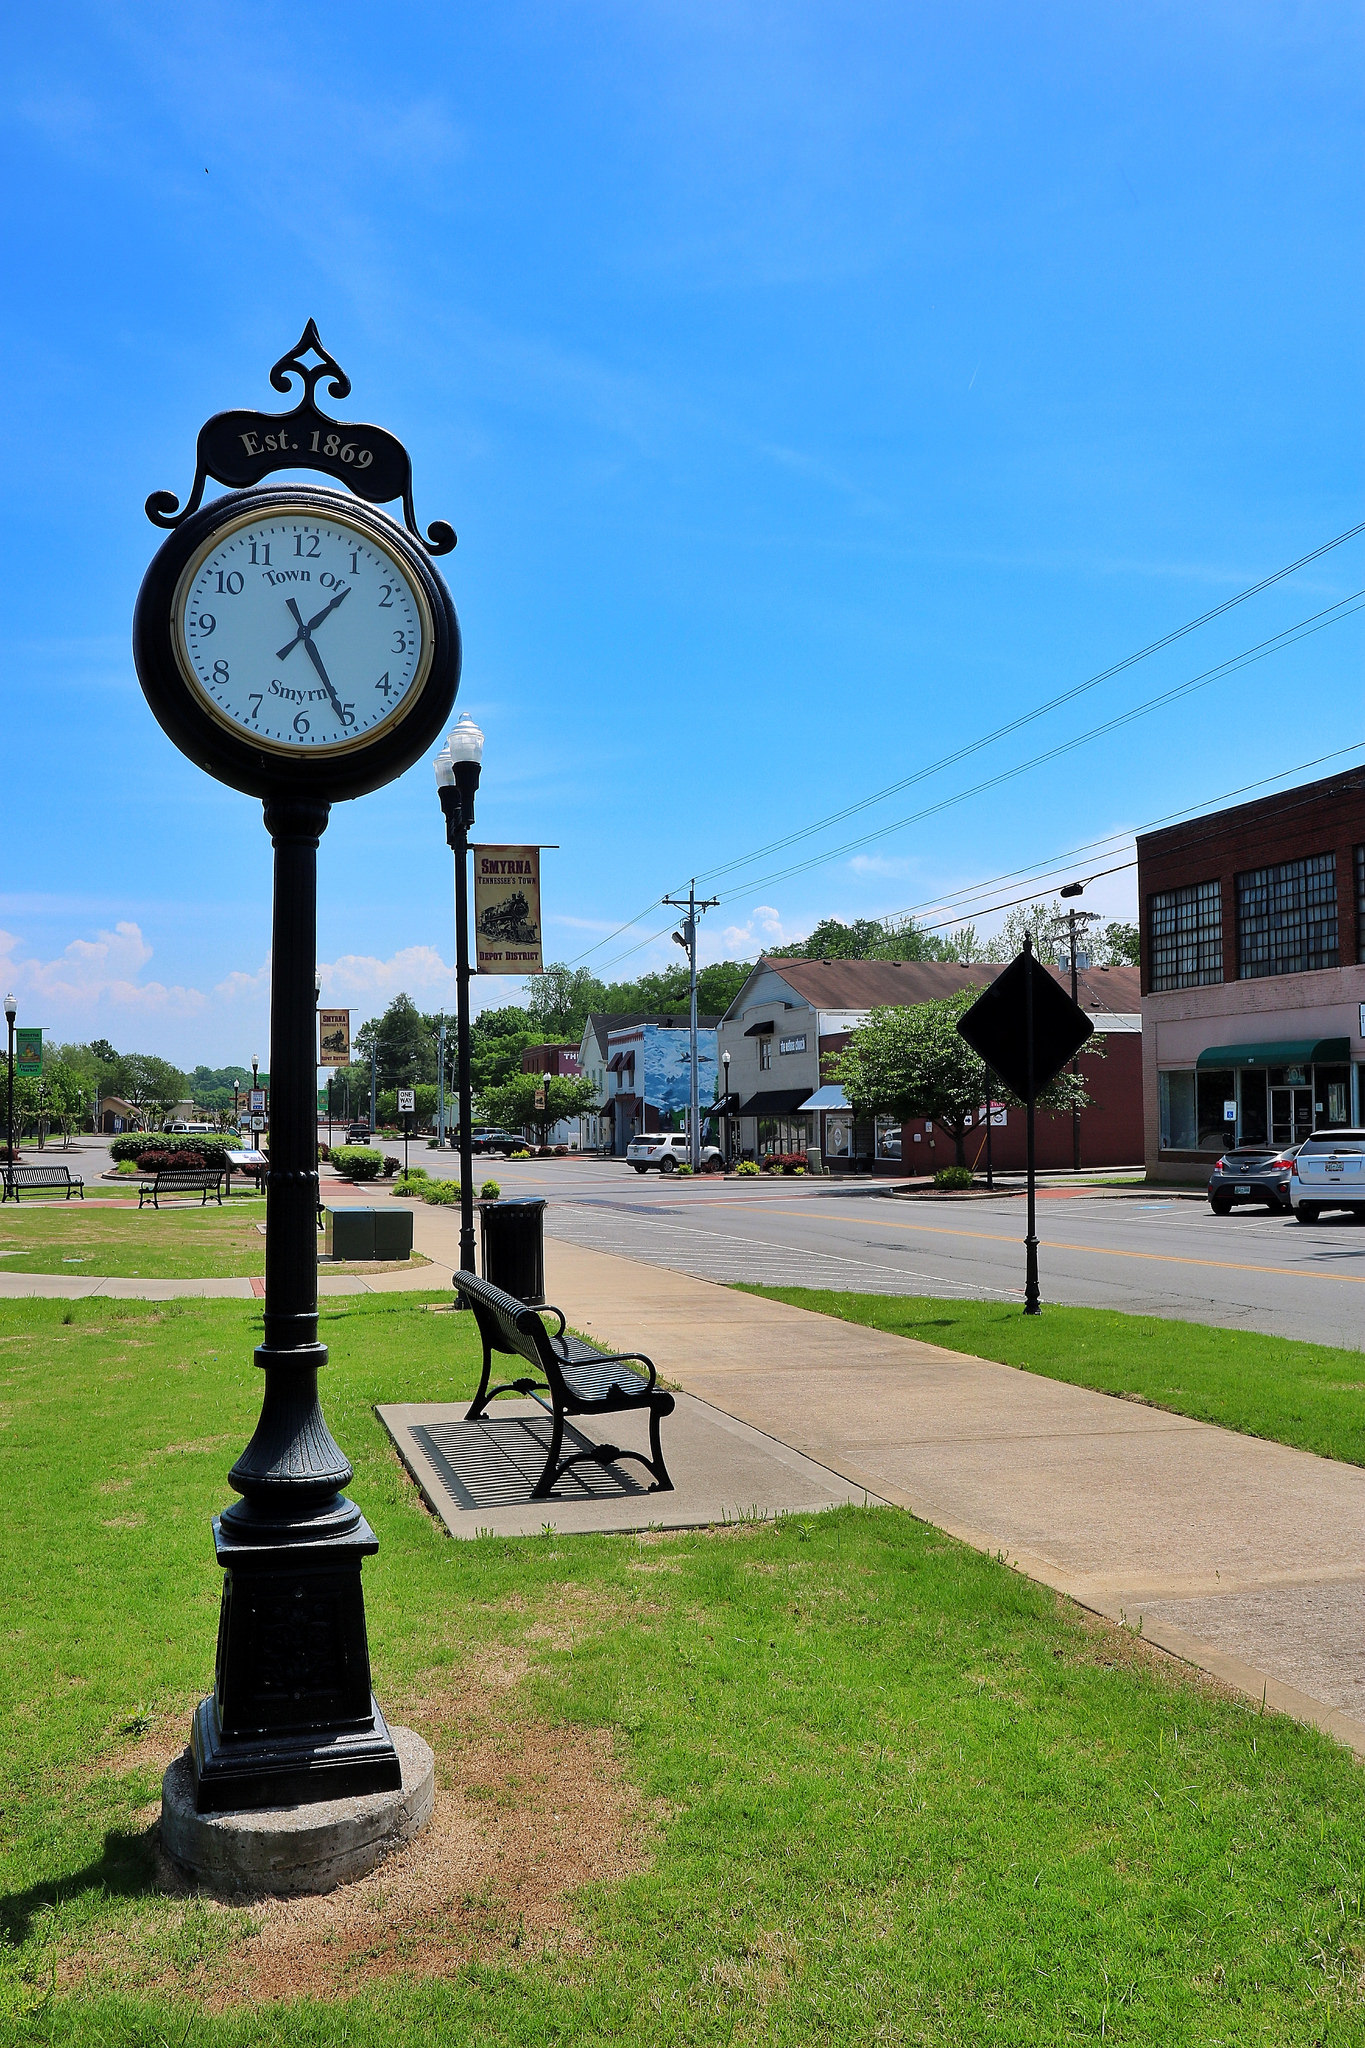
x: 813, y: 389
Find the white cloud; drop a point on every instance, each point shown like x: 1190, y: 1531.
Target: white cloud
x: 881, y: 864
x: 364, y: 978
x: 91, y: 977
x: 763, y: 927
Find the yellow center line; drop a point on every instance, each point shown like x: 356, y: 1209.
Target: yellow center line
x: 1108, y: 1251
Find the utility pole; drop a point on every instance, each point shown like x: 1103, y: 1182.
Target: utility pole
x: 687, y: 939
x: 374, y: 1078
x: 1074, y: 917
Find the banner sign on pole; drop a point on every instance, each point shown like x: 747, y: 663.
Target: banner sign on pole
x: 407, y: 1101
x: 258, y: 1102
x: 28, y: 1053
x: 507, y: 937
x: 334, y: 1038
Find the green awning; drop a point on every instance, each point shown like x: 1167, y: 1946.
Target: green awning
x: 1278, y: 1052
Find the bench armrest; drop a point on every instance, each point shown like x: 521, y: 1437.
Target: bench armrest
x: 554, y: 1335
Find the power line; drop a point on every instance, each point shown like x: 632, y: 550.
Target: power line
x: 1064, y: 862
x: 975, y: 746
x: 1317, y: 622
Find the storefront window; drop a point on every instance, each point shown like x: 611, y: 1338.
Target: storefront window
x: 1331, y: 1098
x: 1214, y: 1091
x: 1253, y: 1127
x: 838, y: 1137
x: 1176, y: 1097
x: 782, y: 1134
x: 1287, y: 917
x: 888, y: 1137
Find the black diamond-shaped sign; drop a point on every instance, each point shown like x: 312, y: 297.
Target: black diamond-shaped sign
x: 996, y: 1025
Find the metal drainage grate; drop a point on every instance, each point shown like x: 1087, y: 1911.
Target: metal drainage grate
x: 495, y: 1464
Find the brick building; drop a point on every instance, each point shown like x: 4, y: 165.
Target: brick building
x: 1253, y: 974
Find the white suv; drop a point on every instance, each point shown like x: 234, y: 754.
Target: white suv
x: 668, y: 1150
x: 1328, y: 1173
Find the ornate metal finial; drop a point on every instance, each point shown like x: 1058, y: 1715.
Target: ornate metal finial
x: 239, y: 449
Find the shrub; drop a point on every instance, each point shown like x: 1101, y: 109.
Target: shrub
x: 413, y: 1182
x: 443, y: 1194
x: 358, y: 1162
x: 523, y: 1154
x: 490, y: 1191
x: 683, y: 1167
x: 324, y: 1151
x: 952, y: 1177
x: 391, y: 1166
x: 128, y: 1167
x: 137, y: 1144
x: 747, y: 1166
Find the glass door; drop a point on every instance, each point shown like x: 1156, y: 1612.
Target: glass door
x: 1291, y: 1115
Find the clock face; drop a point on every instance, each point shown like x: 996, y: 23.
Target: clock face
x: 302, y: 632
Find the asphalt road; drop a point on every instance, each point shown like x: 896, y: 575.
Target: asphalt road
x: 1137, y: 1251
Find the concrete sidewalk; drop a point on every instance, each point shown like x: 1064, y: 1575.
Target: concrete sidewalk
x: 1243, y: 1557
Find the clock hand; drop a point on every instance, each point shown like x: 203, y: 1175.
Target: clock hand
x: 304, y: 631
x: 316, y: 660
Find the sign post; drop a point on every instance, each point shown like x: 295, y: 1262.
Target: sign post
x: 407, y: 1103
x: 1027, y: 1028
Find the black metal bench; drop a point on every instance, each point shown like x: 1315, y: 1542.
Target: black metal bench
x: 16, y: 1177
x: 577, y: 1378
x: 182, y: 1180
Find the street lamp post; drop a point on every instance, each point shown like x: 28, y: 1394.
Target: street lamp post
x: 458, y: 767
x: 725, y: 1090
x: 11, y: 1012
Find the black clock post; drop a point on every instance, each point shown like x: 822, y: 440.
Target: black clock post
x: 292, y: 1717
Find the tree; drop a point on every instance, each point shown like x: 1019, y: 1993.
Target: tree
x: 870, y: 938
x: 404, y: 1041
x: 512, y: 1104
x: 1119, y: 946
x: 69, y: 1097
x: 150, y: 1084
x: 559, y: 1001
x: 911, y: 1061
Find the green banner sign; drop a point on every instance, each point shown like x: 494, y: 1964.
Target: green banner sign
x: 28, y: 1053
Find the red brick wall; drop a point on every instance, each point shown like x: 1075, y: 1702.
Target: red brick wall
x: 1320, y: 817
x: 1111, y: 1129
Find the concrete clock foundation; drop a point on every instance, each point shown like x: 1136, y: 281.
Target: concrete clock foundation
x: 293, y: 1849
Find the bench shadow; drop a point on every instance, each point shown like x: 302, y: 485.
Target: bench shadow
x: 124, y: 1869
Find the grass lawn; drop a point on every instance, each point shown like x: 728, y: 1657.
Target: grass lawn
x: 1302, y: 1394
x: 833, y: 1780
x: 188, y: 1242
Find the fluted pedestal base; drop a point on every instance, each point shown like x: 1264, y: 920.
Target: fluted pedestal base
x: 292, y: 1717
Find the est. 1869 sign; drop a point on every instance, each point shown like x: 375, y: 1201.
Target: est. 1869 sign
x: 295, y: 642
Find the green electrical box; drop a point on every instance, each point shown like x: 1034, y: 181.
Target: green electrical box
x: 367, y: 1233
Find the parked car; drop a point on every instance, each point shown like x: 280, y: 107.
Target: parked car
x: 1328, y: 1173
x: 1253, y: 1173
x: 203, y: 1130
x: 358, y: 1134
x: 496, y: 1144
x: 668, y: 1150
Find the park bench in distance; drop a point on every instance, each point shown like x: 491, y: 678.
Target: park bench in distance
x: 16, y: 1177
x: 183, y: 1180
x: 577, y: 1378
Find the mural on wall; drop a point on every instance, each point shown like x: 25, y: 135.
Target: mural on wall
x: 668, y: 1069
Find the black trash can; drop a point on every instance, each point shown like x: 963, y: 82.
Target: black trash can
x: 514, y: 1249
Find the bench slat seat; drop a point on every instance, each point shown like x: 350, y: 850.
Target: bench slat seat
x: 572, y: 1377
x: 182, y: 1181
x: 17, y: 1177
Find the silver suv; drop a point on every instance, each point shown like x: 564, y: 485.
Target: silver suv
x: 668, y: 1150
x: 1328, y: 1173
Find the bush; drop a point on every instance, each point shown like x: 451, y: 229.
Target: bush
x: 128, y: 1167
x: 683, y: 1167
x: 490, y: 1191
x: 208, y: 1151
x: 358, y: 1162
x: 444, y: 1194
x: 324, y: 1151
x: 953, y: 1177
x: 523, y: 1154
x: 391, y: 1166
x: 785, y: 1162
x: 413, y: 1182
x: 747, y: 1166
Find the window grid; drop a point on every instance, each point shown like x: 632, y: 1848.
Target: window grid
x: 1360, y: 903
x: 1287, y: 917
x: 1186, y: 936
